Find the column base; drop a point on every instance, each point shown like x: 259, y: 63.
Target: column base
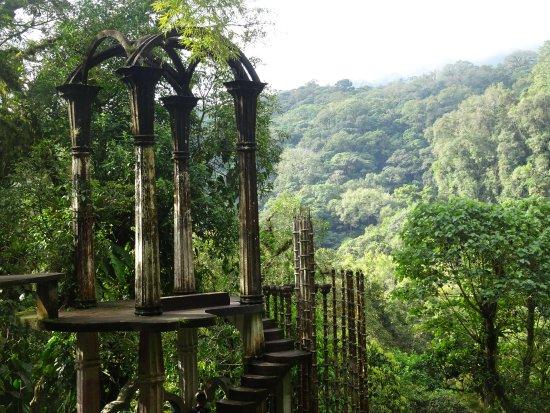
x: 86, y: 303
x: 251, y: 299
x: 183, y: 292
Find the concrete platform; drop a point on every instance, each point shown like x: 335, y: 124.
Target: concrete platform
x: 186, y: 311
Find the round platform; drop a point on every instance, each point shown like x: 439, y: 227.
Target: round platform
x: 190, y: 311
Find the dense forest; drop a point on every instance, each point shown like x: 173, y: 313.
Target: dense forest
x: 436, y: 186
x: 358, y: 155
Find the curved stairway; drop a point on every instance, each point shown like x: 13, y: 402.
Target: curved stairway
x: 262, y: 374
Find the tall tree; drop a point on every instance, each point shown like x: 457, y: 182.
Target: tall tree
x: 470, y: 259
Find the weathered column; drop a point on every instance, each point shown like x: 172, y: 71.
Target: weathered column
x: 187, y: 365
x: 80, y: 98
x: 283, y: 394
x: 150, y: 373
x: 141, y: 82
x: 87, y: 373
x: 251, y: 328
x: 245, y: 95
x: 180, y: 108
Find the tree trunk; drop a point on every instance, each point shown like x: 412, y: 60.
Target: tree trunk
x: 529, y: 352
x: 492, y: 384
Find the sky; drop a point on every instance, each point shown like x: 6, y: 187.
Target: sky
x: 372, y: 41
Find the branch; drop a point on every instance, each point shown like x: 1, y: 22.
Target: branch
x: 32, y: 25
x: 215, y: 383
x: 466, y: 298
x: 39, y: 46
x: 176, y: 402
x: 38, y: 396
x: 124, y: 398
x: 283, y: 248
x: 459, y: 318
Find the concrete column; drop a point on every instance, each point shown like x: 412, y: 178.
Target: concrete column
x: 87, y: 373
x: 150, y: 373
x: 283, y: 395
x: 187, y: 364
x: 141, y: 82
x: 80, y: 98
x: 251, y: 328
x: 245, y: 95
x: 180, y: 108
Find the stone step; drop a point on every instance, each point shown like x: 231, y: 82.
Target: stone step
x: 269, y: 323
x: 259, y: 380
x: 282, y: 344
x: 247, y: 394
x: 267, y: 368
x: 235, y: 406
x: 273, y: 333
x: 287, y: 357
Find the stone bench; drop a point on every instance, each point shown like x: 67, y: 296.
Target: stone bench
x: 47, y: 305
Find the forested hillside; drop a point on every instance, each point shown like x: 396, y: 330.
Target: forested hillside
x: 360, y: 156
x: 436, y: 186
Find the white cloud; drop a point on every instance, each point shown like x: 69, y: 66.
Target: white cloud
x: 373, y: 40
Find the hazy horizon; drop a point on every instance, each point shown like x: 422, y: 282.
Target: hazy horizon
x: 392, y: 77
x: 307, y: 42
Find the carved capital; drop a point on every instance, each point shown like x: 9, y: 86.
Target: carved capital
x: 244, y: 88
x: 245, y: 95
x: 180, y: 108
x: 141, y: 82
x: 80, y: 98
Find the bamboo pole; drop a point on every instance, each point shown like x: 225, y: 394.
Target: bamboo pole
x: 325, y: 289
x: 288, y: 310
x: 305, y: 342
x: 296, y: 237
x: 312, y: 314
x: 352, y: 340
x: 345, y: 361
x: 336, y: 353
x: 364, y: 388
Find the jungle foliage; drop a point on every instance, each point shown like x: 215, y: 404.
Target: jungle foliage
x: 437, y: 187
x: 35, y: 215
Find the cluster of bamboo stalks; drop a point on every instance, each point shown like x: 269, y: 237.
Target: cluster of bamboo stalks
x: 327, y: 319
